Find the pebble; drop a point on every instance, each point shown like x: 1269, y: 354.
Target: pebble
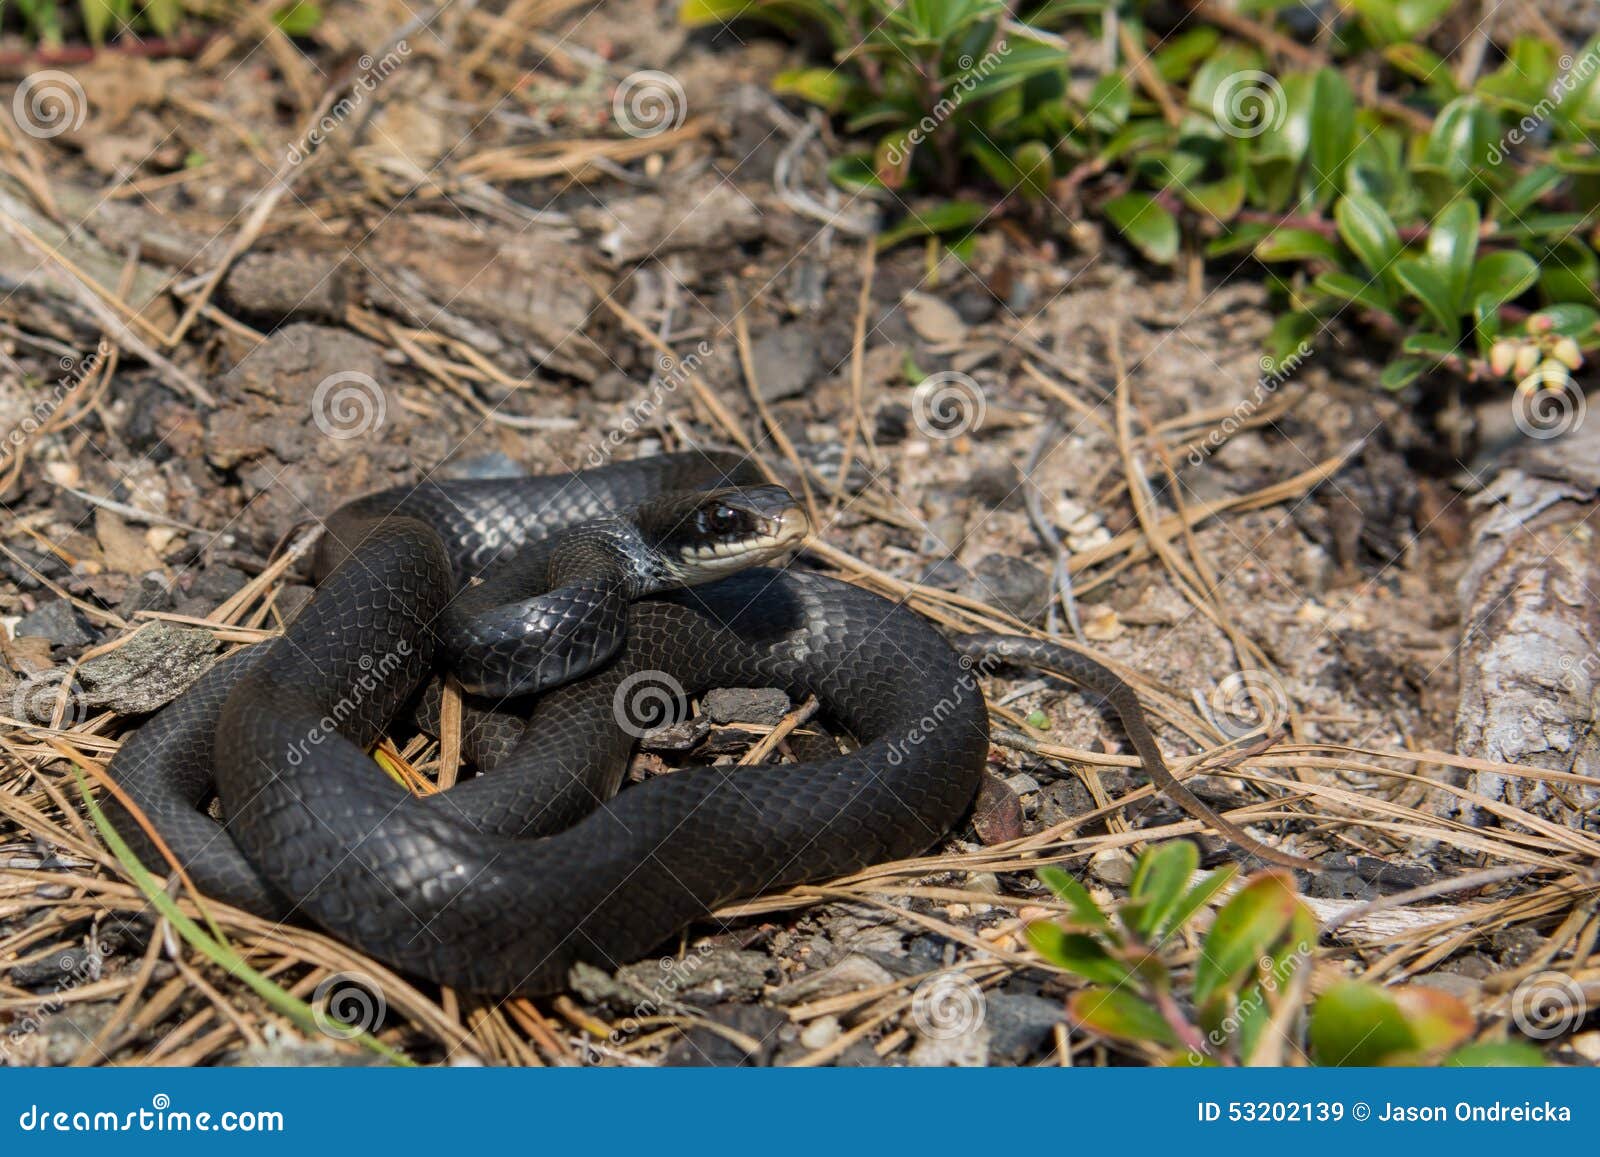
x: 1020, y: 1025
x: 763, y: 705
x: 785, y: 362
x: 1112, y: 866
x: 820, y: 1033
x: 57, y: 620
x: 1013, y: 585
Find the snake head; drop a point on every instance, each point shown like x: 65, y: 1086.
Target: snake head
x: 700, y: 536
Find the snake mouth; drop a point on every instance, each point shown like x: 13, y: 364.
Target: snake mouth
x: 714, y: 533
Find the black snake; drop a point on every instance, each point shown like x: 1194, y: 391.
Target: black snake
x: 503, y: 882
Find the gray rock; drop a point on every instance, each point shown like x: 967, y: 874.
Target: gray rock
x: 289, y: 284
x: 154, y: 667
x: 785, y: 362
x: 1013, y: 585
x: 704, y: 1046
x: 491, y: 465
x: 1020, y: 1025
x: 764, y: 705
x: 57, y: 620
x: 998, y: 485
x: 947, y: 574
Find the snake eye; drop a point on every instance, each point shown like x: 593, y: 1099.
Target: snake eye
x: 720, y: 520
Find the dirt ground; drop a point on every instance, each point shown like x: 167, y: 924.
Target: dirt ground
x: 262, y: 277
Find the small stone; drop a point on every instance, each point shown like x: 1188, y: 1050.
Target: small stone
x: 1586, y: 1045
x: 1113, y: 866
x: 785, y: 362
x: 1022, y: 783
x: 998, y: 485
x: 851, y: 974
x: 947, y: 574
x: 151, y: 669
x: 289, y: 285
x: 1020, y: 1025
x: 933, y: 320
x: 59, y: 621
x: 892, y: 423
x: 1013, y: 585
x: 1101, y: 625
x: 491, y: 465
x: 763, y: 705
x: 820, y: 1033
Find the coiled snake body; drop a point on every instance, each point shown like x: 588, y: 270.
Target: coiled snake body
x: 505, y: 881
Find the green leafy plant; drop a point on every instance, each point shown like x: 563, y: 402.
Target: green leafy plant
x: 99, y: 21
x: 1245, y: 998
x: 1462, y: 222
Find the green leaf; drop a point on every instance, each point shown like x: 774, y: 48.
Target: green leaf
x: 1333, y: 129
x: 1119, y: 1014
x: 1159, y: 881
x: 1035, y: 165
x: 853, y: 172
x: 1220, y: 199
x: 1109, y: 102
x: 1348, y: 287
x: 1453, y: 247
x: 1084, y: 910
x: 1146, y: 224
x: 98, y: 15
x: 1431, y: 345
x: 1496, y: 1055
x: 945, y: 217
x: 1502, y: 276
x: 1077, y: 953
x: 828, y: 88
x: 1298, y: 245
x: 1401, y: 372
x: 1290, y: 337
x: 1570, y: 319
x: 1369, y: 233
x: 1354, y: 1024
x: 1248, y: 925
x: 1429, y: 285
x: 299, y: 18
